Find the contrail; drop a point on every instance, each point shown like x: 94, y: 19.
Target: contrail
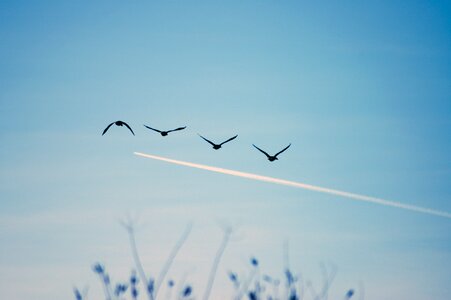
x: 305, y: 186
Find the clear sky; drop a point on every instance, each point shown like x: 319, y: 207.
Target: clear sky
x: 361, y: 90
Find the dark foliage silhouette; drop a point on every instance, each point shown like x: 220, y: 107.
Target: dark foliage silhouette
x: 120, y: 289
x: 349, y: 294
x: 77, y: 294
x: 187, y: 291
x: 250, y: 285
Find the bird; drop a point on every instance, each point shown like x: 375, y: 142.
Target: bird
x: 118, y: 123
x: 272, y: 157
x: 218, y: 146
x: 164, y: 133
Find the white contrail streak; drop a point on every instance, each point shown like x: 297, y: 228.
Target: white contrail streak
x: 303, y: 186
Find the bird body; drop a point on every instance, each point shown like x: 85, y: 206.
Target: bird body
x: 272, y: 157
x: 217, y: 146
x: 164, y: 133
x: 118, y: 123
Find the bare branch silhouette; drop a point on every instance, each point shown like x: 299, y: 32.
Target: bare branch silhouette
x: 328, y: 279
x: 104, y: 278
x: 171, y: 258
x: 214, y: 267
x: 245, y: 286
x: 129, y: 226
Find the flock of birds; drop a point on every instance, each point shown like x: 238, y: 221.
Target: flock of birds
x: 215, y: 146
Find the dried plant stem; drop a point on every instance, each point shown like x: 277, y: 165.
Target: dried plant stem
x: 328, y: 279
x: 214, y: 267
x: 171, y: 258
x: 106, y: 287
x: 286, y: 261
x: 312, y: 291
x: 301, y: 286
x: 107, y: 292
x: 245, y: 286
x: 137, y: 260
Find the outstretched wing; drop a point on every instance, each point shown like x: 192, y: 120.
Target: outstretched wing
x: 128, y: 127
x: 152, y: 129
x: 106, y: 129
x: 210, y: 142
x: 180, y: 128
x: 232, y: 138
x: 267, y: 155
x: 283, y: 149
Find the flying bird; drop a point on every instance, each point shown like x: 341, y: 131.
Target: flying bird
x: 217, y: 146
x: 118, y: 123
x: 272, y: 157
x: 164, y: 133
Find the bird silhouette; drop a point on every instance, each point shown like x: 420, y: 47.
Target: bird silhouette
x: 218, y: 146
x: 164, y: 133
x: 118, y: 123
x: 272, y: 157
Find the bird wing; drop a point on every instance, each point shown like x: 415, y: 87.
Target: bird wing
x: 210, y: 142
x: 283, y: 149
x: 261, y: 151
x: 152, y: 129
x: 128, y: 127
x: 106, y: 129
x: 180, y: 128
x: 232, y: 138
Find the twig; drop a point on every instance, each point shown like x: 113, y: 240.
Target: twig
x: 312, y: 290
x: 328, y: 278
x: 104, y: 277
x: 286, y: 261
x: 214, y: 267
x: 171, y: 258
x: 181, y: 284
x: 246, y: 284
x: 325, y: 280
x: 130, y: 229
x: 301, y: 285
x: 286, y: 254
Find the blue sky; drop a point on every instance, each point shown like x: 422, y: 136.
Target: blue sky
x: 361, y: 90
